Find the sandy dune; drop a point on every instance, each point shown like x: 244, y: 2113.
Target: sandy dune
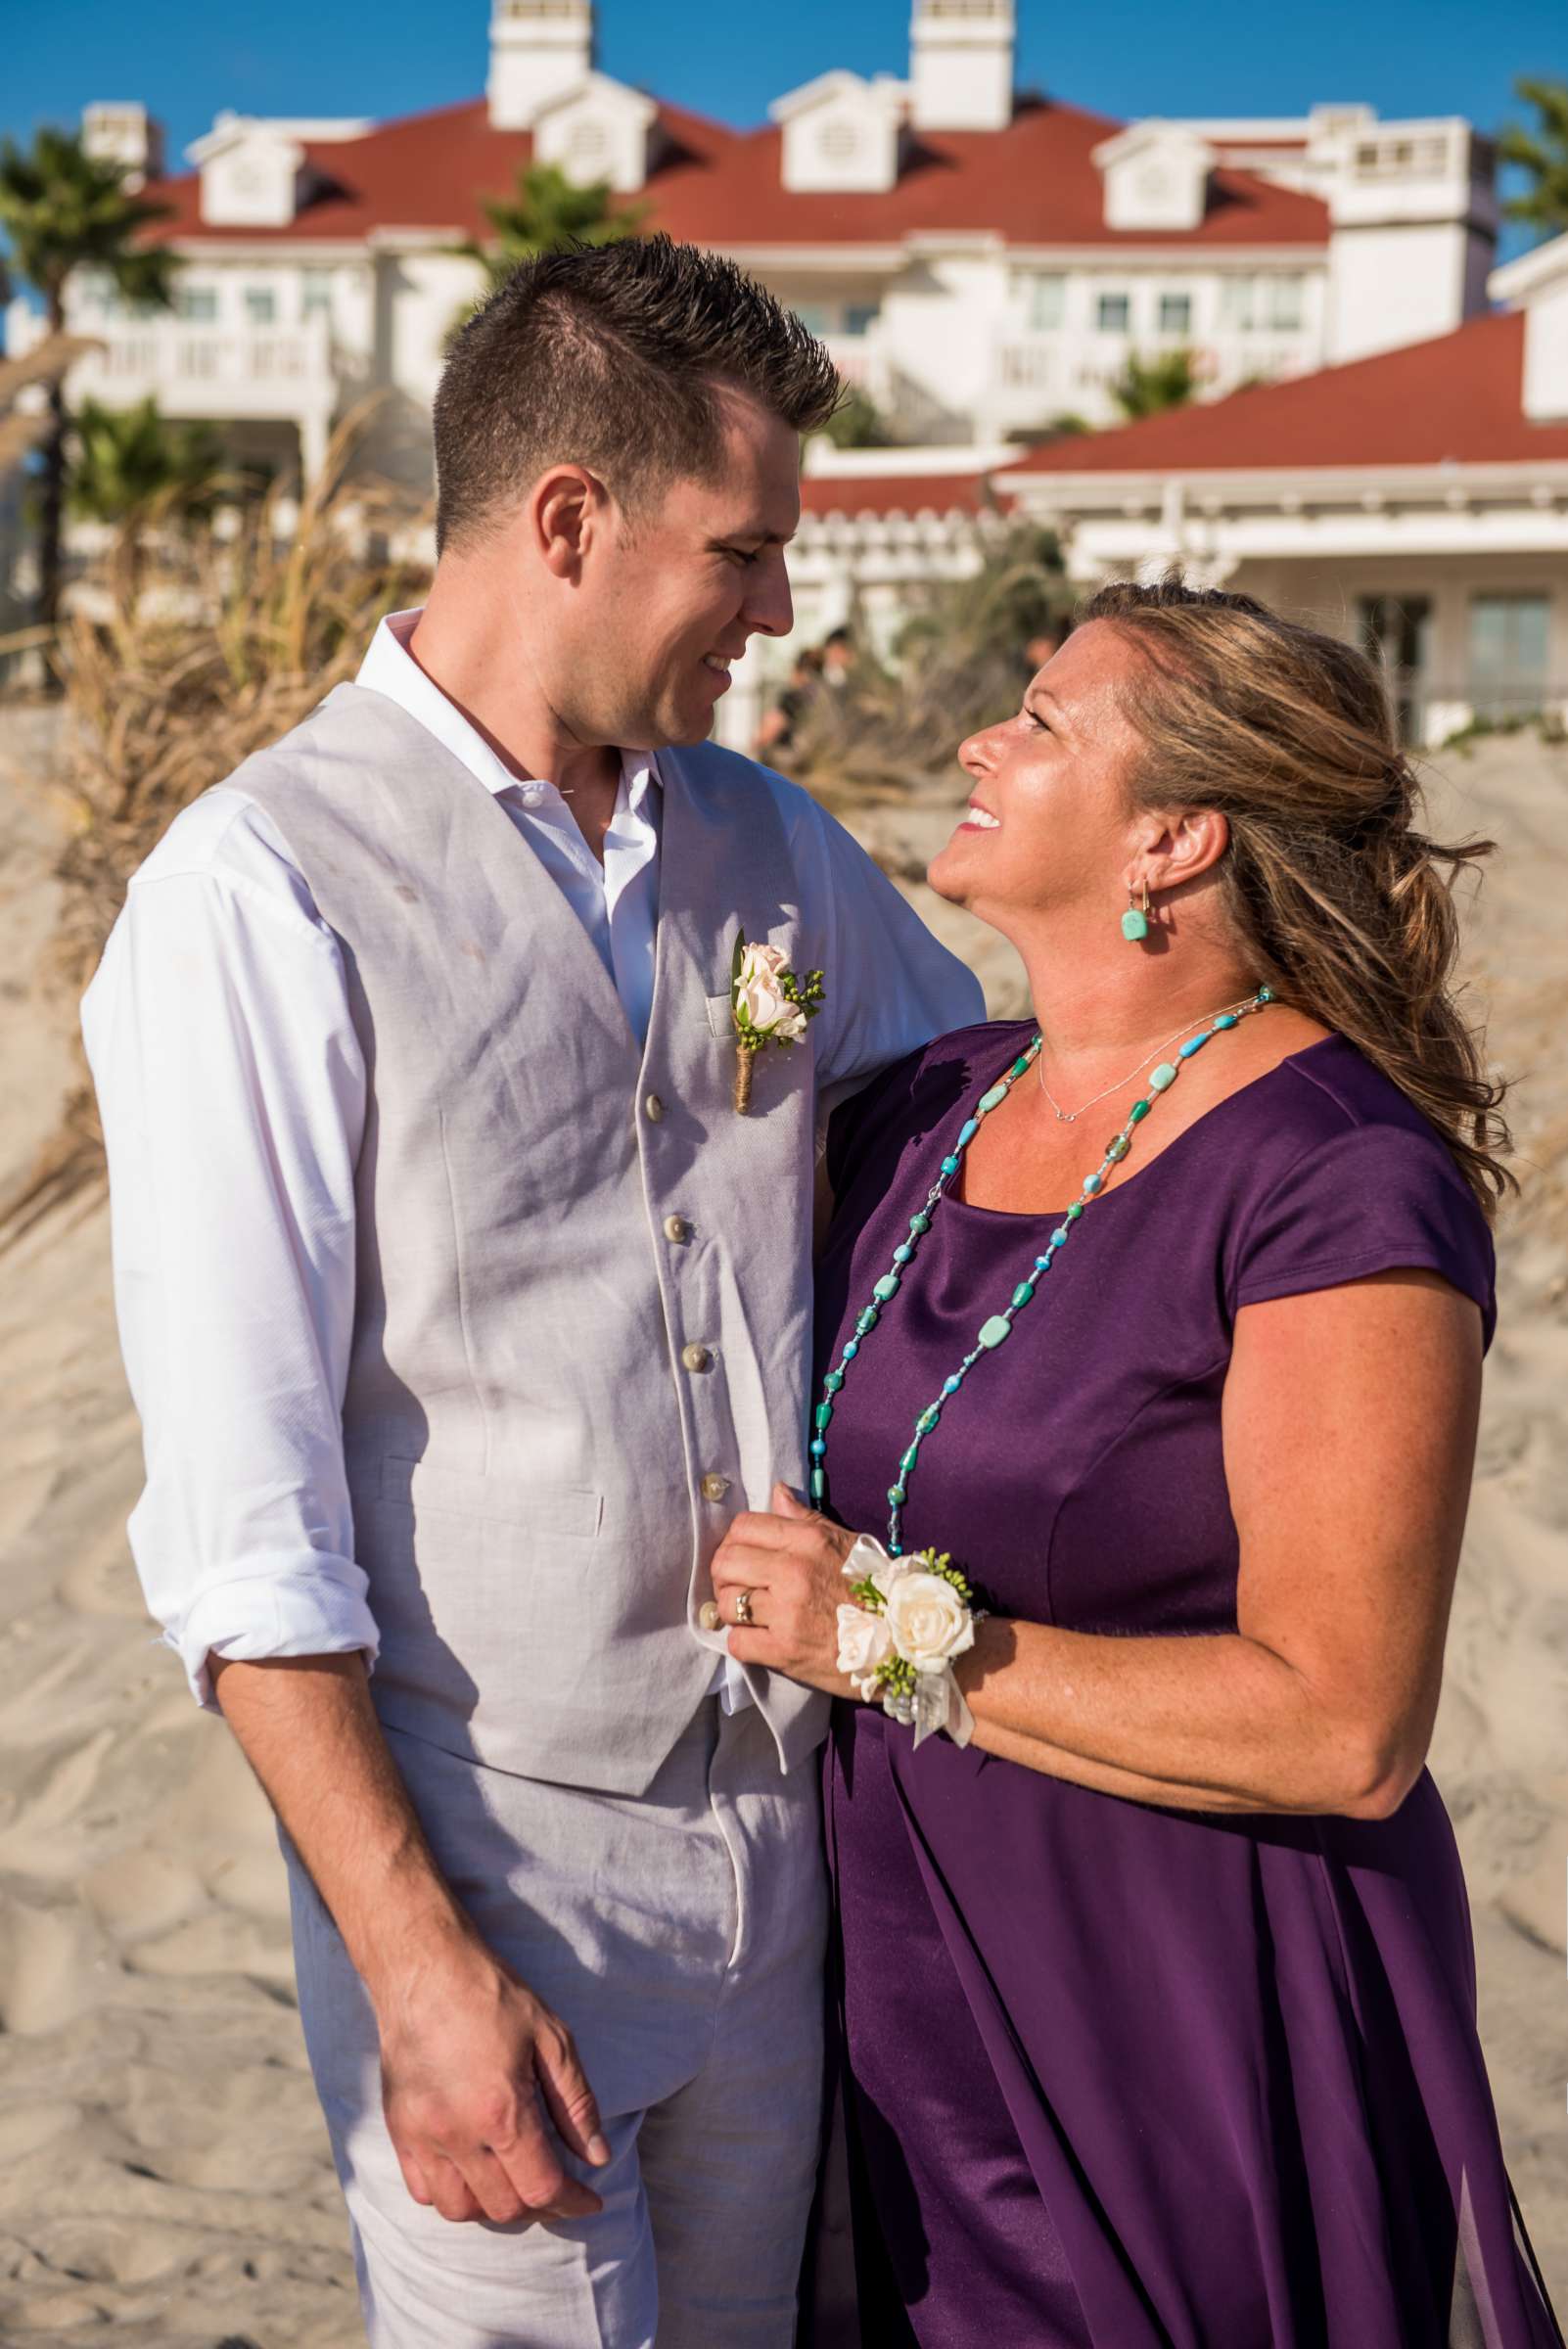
x: 164, y: 2172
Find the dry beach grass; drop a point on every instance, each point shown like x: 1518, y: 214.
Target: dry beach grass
x: 163, y: 2174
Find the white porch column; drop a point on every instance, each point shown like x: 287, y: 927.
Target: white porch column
x: 316, y: 432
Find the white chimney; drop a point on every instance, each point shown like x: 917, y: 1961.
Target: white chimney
x: 124, y: 133
x: 1536, y: 283
x: 961, y: 64
x: 1414, y: 222
x: 540, y: 50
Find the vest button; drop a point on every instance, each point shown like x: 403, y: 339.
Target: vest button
x: 714, y: 1486
x: 696, y: 1358
x: 653, y: 1109
x: 677, y: 1228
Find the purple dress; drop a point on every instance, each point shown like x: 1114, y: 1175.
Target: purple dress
x: 1114, y: 2074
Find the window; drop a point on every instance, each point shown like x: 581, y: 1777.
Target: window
x: 1509, y: 635
x: 315, y: 293
x: 1176, y: 313
x: 1268, y: 304
x: 1237, y: 297
x: 838, y: 140
x: 814, y: 316
x: 1047, y: 304
x: 1285, y: 302
x: 859, y: 317
x: 196, y: 304
x: 1396, y: 632
x: 1115, y: 314
x: 260, y: 305
x: 588, y: 141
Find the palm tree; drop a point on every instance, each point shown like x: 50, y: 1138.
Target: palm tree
x: 1544, y: 154
x: 547, y: 212
x: 1148, y: 386
x: 131, y: 469
x: 64, y: 210
x: 857, y: 422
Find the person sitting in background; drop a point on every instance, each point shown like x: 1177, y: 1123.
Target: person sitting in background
x: 776, y: 735
x: 838, y: 658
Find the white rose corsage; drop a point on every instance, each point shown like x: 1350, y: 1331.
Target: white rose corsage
x: 770, y: 1005
x: 910, y: 1619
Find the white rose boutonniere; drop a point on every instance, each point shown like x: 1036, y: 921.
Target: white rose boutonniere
x: 771, y: 1007
x: 912, y: 1617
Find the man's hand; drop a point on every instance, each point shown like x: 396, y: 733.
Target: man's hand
x: 472, y: 2064
x: 475, y: 2069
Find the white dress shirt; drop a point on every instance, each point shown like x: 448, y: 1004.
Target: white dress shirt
x: 233, y: 1094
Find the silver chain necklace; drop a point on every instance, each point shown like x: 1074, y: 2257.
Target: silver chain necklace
x: 1070, y: 1117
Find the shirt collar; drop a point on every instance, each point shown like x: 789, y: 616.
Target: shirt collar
x: 390, y: 669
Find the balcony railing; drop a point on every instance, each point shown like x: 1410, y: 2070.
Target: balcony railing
x: 210, y: 371
x: 1035, y: 373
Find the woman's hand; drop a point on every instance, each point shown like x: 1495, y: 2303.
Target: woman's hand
x: 791, y: 1561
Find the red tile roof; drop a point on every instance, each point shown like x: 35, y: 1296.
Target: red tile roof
x: 896, y: 493
x: 1033, y: 183
x: 1456, y: 399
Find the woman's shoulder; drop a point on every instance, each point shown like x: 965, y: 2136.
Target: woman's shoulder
x: 912, y: 1097
x: 1343, y: 1176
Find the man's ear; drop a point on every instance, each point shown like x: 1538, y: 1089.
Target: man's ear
x: 564, y: 506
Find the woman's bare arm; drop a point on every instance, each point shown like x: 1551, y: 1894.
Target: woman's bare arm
x: 1350, y: 1420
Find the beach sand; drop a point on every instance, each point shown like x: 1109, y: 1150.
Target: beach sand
x: 163, y: 2170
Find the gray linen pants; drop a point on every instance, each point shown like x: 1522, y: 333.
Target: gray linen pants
x: 680, y: 1935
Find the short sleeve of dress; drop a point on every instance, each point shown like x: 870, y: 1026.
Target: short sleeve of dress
x: 1374, y: 1198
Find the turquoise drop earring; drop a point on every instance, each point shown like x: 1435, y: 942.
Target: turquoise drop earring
x: 1135, y: 920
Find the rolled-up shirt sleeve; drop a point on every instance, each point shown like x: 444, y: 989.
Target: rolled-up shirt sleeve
x: 232, y: 1091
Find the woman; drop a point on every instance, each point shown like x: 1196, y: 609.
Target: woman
x: 1157, y: 1995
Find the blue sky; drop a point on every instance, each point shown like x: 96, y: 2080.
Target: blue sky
x: 188, y: 58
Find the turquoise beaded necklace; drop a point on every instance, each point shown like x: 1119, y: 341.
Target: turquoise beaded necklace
x: 997, y: 1327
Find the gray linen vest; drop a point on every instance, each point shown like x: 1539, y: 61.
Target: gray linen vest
x: 525, y: 1428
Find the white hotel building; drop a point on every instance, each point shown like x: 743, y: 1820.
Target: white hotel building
x: 982, y: 261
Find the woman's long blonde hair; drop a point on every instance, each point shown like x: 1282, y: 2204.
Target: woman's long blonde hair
x: 1342, y: 903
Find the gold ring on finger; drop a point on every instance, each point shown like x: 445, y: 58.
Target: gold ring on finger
x: 743, y: 1606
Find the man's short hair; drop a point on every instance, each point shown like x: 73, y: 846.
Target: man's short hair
x: 613, y: 357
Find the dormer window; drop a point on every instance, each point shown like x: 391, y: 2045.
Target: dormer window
x: 587, y: 143
x: 253, y: 174
x: 1156, y: 177
x: 601, y: 130
x: 841, y: 134
x: 838, y: 141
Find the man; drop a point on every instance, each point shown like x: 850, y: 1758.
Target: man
x: 838, y: 658
x: 464, y: 1310
x: 777, y: 733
